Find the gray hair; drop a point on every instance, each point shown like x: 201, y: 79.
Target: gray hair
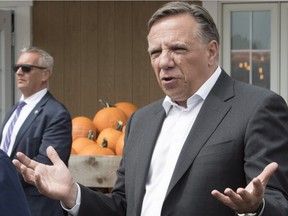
x: 45, y: 59
x: 207, y: 30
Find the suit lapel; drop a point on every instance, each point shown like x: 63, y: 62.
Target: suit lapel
x: 214, y: 109
x: 30, y: 119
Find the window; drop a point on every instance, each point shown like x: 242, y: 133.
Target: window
x: 250, y: 43
x: 250, y: 47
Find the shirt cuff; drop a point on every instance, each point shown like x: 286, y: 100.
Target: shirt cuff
x: 258, y: 213
x: 74, y: 211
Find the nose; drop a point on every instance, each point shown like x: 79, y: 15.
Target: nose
x: 166, y: 60
x: 19, y: 71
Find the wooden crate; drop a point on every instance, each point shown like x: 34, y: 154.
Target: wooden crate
x: 94, y: 171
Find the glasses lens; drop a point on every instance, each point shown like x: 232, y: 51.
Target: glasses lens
x: 24, y: 68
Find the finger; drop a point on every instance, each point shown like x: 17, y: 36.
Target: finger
x: 223, y: 198
x: 267, y: 172
x: 258, y: 188
x: 234, y: 197
x: 17, y: 164
x: 53, y: 155
x: 28, y: 174
x: 26, y: 160
x: 245, y: 195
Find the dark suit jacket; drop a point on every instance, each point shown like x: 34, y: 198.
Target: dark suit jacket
x: 49, y: 123
x: 12, y: 197
x: 239, y: 130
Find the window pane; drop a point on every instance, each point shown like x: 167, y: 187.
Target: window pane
x: 240, y: 66
x: 240, y: 30
x: 261, y: 35
x: 250, y: 47
x: 261, y: 69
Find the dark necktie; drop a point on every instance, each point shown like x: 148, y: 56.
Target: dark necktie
x: 11, y: 126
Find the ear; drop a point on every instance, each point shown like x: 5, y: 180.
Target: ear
x: 213, y: 49
x: 46, y: 74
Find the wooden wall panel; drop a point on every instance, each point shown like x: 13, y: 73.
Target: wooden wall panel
x: 123, y: 52
x: 40, y: 22
x: 106, y: 51
x: 72, y: 56
x: 55, y: 32
x: 100, y: 52
x: 89, y: 59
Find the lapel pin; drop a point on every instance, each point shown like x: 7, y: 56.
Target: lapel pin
x: 36, y: 112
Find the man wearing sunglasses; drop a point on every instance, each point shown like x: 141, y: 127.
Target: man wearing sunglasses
x: 42, y: 122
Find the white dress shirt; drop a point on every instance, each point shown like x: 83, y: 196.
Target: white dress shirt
x: 173, y: 134
x: 30, y: 104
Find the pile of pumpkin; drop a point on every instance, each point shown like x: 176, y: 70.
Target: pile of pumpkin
x: 104, y: 134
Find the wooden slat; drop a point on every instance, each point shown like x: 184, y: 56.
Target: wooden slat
x: 89, y: 59
x: 123, y: 52
x: 72, y: 86
x: 141, y: 63
x: 56, y: 47
x: 105, y: 55
x: 94, y: 171
x: 39, y: 24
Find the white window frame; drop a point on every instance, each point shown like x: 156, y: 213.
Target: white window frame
x: 274, y: 54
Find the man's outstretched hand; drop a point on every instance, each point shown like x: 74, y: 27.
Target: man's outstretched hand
x: 249, y: 199
x: 54, y: 181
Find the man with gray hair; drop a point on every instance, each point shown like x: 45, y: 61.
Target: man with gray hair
x: 37, y: 121
x: 213, y: 146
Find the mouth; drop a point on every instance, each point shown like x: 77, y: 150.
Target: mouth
x: 167, y: 79
x: 20, y: 80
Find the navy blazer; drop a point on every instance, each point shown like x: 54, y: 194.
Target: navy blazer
x: 49, y: 123
x: 239, y: 130
x: 12, y: 197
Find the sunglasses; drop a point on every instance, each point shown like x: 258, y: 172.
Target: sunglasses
x: 26, y: 68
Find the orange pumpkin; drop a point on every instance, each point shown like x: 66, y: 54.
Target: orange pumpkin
x: 81, y: 142
x: 120, y: 145
x: 109, y: 136
x: 83, y: 127
x: 127, y: 107
x: 109, y: 117
x: 96, y: 150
